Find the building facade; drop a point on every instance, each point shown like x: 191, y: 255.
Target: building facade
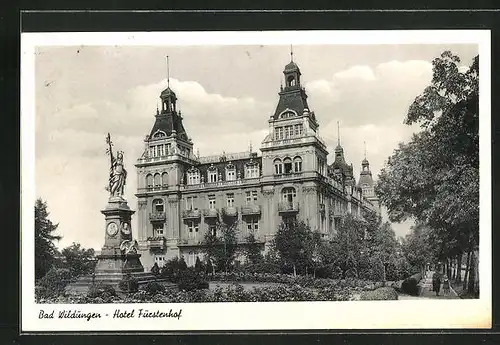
x: 181, y: 196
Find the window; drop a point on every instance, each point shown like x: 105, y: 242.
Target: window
x: 252, y: 171
x: 157, y: 180
x: 158, y: 206
x: 297, y: 164
x: 212, y: 175
x: 149, y: 181
x: 289, y: 194
x: 213, y: 230
x: 287, y: 114
x: 191, y: 203
x: 211, y: 202
x: 231, y: 173
x: 230, y: 199
x: 278, y: 167
x: 193, y: 177
x: 251, y: 196
x: 158, y: 230
x: 160, y: 260
x: 168, y: 149
x: 298, y: 130
x: 161, y: 150
x: 192, y: 228
x: 287, y: 164
x: 279, y: 133
x: 191, y: 259
x: 253, y: 226
x: 164, y: 179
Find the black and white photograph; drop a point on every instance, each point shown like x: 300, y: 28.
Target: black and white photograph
x: 256, y: 180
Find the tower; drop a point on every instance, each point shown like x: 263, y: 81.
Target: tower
x: 366, y: 182
x: 294, y: 157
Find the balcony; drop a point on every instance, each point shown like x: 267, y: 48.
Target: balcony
x: 211, y: 213
x: 189, y: 242
x: 250, y: 210
x: 288, y: 207
x: 157, y: 217
x: 157, y: 242
x: 230, y: 211
x: 191, y: 214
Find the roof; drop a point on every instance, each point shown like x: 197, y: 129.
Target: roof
x: 292, y: 66
x: 166, y: 122
x: 167, y: 92
x: 365, y: 178
x: 239, y: 164
x: 294, y: 99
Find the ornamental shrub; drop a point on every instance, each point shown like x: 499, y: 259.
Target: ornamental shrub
x: 101, y: 290
x: 128, y: 284
x: 410, y: 285
x: 152, y: 288
x: 380, y: 294
x: 53, y: 283
x: 190, y: 280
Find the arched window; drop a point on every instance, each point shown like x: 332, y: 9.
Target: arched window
x: 287, y: 165
x: 193, y: 176
x: 149, y: 181
x: 157, y: 180
x: 289, y: 194
x: 158, y: 206
x: 159, y: 134
x: 297, y: 164
x: 278, y: 167
x: 291, y: 80
x: 287, y: 113
x: 164, y: 179
x: 252, y: 170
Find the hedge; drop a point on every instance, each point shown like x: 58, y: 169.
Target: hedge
x: 410, y: 285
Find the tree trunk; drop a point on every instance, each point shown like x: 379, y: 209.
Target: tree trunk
x: 459, y: 268
x: 472, y: 272
x: 466, y: 275
x: 294, y: 271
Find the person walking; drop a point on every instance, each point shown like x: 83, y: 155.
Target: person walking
x: 446, y: 285
x: 436, y: 283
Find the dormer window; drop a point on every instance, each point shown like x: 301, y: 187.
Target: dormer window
x: 193, y: 176
x: 287, y: 113
x: 252, y: 170
x: 230, y: 172
x: 159, y: 134
x: 212, y: 174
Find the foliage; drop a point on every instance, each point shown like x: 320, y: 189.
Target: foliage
x: 295, y: 244
x: 153, y: 288
x: 128, y: 284
x: 253, y: 250
x: 191, y: 280
x: 80, y: 261
x: 209, y: 267
x: 434, y: 178
x: 221, y: 247
x: 52, y: 284
x: 101, y: 290
x: 173, y: 268
x: 380, y: 294
x: 198, y: 266
x: 45, y: 250
x: 410, y: 285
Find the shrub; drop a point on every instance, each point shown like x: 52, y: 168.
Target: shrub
x: 377, y: 271
x: 380, y: 294
x: 191, y: 280
x: 52, y: 284
x: 101, y: 290
x: 128, y: 284
x: 153, y: 288
x: 410, y: 285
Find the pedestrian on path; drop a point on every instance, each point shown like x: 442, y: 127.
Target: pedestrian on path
x: 446, y: 285
x: 436, y: 283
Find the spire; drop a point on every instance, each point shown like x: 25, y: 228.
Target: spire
x: 250, y: 147
x: 168, y: 73
x: 364, y: 143
x: 291, y: 53
x: 338, y: 133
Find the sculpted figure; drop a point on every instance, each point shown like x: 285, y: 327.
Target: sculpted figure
x: 117, y: 172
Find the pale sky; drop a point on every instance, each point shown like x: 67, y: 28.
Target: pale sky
x: 226, y: 95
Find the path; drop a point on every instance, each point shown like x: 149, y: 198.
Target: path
x: 427, y: 292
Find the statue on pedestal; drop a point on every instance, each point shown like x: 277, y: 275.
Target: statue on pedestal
x: 117, y: 172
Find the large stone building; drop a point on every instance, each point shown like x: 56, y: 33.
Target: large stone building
x: 182, y: 195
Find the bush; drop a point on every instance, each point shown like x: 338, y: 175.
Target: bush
x: 128, y: 284
x: 376, y: 271
x: 153, y: 288
x: 101, y: 290
x: 410, y: 285
x: 191, y: 280
x: 173, y: 268
x: 52, y: 284
x: 380, y: 294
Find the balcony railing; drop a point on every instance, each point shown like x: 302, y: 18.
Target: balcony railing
x: 219, y: 184
x: 230, y: 211
x: 189, y: 242
x: 191, y: 214
x: 210, y: 213
x: 288, y: 207
x: 157, y: 216
x: 157, y: 242
x: 250, y: 209
x: 289, y: 175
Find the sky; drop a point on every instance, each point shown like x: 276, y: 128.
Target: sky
x: 226, y: 95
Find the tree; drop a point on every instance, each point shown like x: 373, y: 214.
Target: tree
x: 79, y: 261
x: 434, y: 178
x: 294, y: 243
x: 221, y: 246
x: 197, y: 266
x: 45, y: 249
x: 252, y: 250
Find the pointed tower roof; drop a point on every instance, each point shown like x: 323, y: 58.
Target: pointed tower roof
x: 365, y: 176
